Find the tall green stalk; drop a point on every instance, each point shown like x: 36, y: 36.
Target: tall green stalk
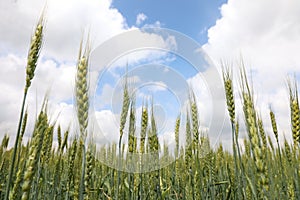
x: 82, y: 105
x: 227, y: 79
x: 33, y: 55
x: 124, y: 113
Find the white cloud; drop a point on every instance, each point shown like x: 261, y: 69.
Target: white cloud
x: 57, y: 79
x: 66, y: 22
x: 157, y: 86
x: 107, y: 127
x: 147, y: 47
x: 203, y: 98
x: 140, y: 18
x: 267, y: 35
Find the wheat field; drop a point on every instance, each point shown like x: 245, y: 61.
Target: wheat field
x: 38, y: 169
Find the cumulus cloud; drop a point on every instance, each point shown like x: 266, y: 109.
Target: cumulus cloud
x: 148, y: 47
x: 140, y: 18
x: 66, y: 23
x: 106, y: 127
x: 266, y: 34
x: 50, y: 77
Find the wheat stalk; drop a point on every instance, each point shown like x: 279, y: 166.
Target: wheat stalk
x: 252, y: 129
x: 33, y: 55
x: 295, y: 112
x: 82, y: 105
x: 34, y: 154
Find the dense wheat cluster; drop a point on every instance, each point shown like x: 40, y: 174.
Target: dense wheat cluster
x: 38, y: 169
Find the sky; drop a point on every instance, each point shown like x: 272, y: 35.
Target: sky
x: 265, y: 34
x: 192, y: 18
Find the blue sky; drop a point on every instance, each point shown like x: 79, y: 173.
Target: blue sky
x: 192, y: 17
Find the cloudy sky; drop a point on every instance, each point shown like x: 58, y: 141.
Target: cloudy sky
x: 265, y: 33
